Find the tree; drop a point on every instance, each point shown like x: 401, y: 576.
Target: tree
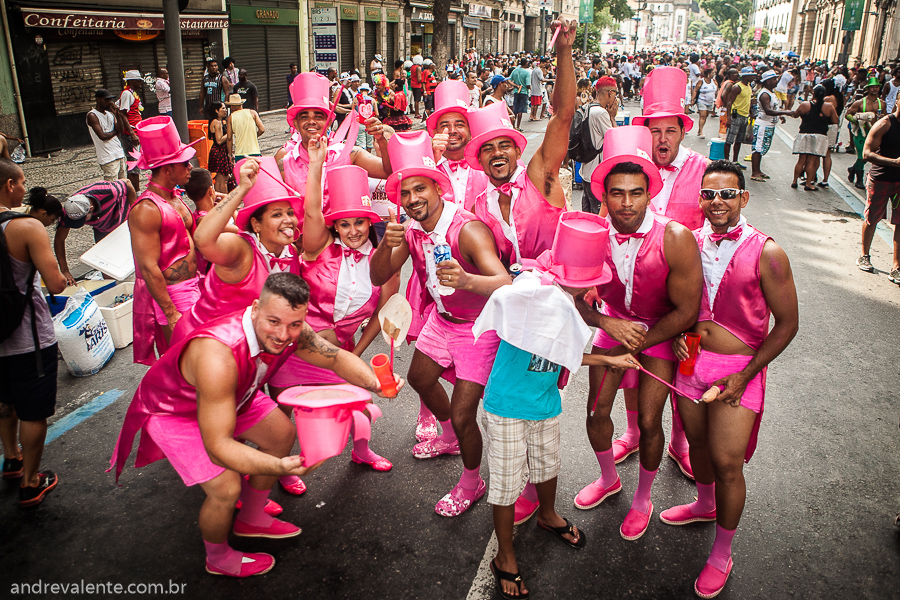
x: 440, y: 48
x: 726, y: 17
x: 749, y: 42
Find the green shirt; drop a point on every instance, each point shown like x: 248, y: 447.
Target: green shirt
x: 521, y: 77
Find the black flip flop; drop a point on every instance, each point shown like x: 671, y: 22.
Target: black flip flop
x: 569, y: 529
x: 501, y: 576
x: 794, y: 185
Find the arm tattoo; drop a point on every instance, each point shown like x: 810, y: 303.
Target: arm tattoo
x: 311, y: 342
x: 231, y: 196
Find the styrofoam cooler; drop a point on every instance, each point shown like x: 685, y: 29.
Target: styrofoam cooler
x: 118, y: 318
x: 112, y: 255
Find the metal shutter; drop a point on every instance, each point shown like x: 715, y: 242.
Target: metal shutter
x: 118, y: 57
x: 390, y: 54
x: 76, y: 73
x: 247, y: 44
x: 282, y: 43
x: 372, y: 44
x: 192, y: 61
x: 348, y: 46
x: 451, y: 35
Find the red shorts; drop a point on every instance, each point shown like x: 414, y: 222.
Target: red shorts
x: 878, y: 195
x: 537, y: 100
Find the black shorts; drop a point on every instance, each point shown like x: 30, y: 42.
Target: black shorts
x: 33, y: 397
x: 417, y: 94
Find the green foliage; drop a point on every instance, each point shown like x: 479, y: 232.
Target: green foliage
x: 728, y: 18
x: 763, y: 42
x: 607, y: 14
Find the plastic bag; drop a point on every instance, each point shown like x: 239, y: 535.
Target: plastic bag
x: 18, y: 155
x: 84, y: 338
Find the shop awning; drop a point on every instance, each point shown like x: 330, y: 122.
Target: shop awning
x: 49, y: 18
x: 471, y: 23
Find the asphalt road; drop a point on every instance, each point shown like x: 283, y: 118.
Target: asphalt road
x: 821, y: 488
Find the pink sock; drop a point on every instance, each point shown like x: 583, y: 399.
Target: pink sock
x: 706, y: 497
x: 424, y: 412
x: 447, y: 433
x: 470, y: 478
x: 224, y: 557
x: 721, y: 550
x: 641, y: 501
x: 608, y: 473
x: 362, y: 450
x: 253, y: 502
x: 632, y: 435
x: 677, y: 440
x: 530, y: 492
x: 287, y: 480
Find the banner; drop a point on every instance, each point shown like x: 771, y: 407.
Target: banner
x: 853, y: 13
x: 586, y: 11
x: 757, y: 34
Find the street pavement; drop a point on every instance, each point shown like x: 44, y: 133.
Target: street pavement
x: 821, y: 488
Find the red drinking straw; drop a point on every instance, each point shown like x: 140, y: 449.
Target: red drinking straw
x: 333, y: 108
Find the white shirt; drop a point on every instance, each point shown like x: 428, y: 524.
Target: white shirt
x: 458, y: 179
x: 253, y: 345
x: 716, y: 257
x: 164, y: 95
x: 624, y: 255
x: 493, y: 206
x: 661, y: 201
x: 599, y: 123
x: 774, y: 104
x: 438, y: 236
x: 354, y: 286
x: 787, y: 79
x: 107, y: 150
x: 693, y: 73
x: 285, y: 253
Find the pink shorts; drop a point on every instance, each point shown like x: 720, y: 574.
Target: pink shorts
x: 631, y: 378
x: 184, y: 295
x: 452, y: 345
x: 711, y: 367
x: 180, y: 440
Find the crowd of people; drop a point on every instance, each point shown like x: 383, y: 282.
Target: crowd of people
x: 274, y: 275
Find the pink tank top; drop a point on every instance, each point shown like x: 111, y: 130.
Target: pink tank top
x: 649, y: 296
x: 740, y: 306
x: 175, y: 243
x: 684, y: 203
x: 476, y: 182
x: 164, y: 391
x: 322, y: 276
x: 460, y: 304
x: 535, y: 220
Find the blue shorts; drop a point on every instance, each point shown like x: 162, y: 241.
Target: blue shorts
x: 520, y: 104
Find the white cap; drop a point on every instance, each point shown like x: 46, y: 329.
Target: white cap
x: 345, y: 76
x: 768, y: 75
x: 132, y: 74
x: 354, y: 77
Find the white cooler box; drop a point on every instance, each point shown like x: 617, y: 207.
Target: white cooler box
x: 118, y: 318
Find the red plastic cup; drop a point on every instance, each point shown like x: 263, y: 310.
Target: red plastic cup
x: 686, y: 367
x: 381, y: 364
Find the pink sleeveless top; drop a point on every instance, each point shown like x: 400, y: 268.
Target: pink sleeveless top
x: 476, y: 182
x: 649, y: 296
x: 218, y: 298
x: 535, y: 220
x: 740, y: 306
x: 175, y: 244
x: 460, y: 304
x: 164, y: 391
x: 684, y: 203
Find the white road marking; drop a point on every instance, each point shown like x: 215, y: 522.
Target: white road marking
x: 483, y: 584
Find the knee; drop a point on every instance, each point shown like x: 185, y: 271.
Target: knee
x: 728, y: 473
x: 649, y: 424
x: 417, y: 380
x: 226, y: 488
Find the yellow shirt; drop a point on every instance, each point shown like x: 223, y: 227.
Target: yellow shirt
x: 244, y: 126
x: 741, y: 104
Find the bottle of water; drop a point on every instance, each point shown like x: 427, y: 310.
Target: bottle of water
x: 442, y: 253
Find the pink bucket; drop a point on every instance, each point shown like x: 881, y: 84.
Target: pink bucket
x: 323, y: 415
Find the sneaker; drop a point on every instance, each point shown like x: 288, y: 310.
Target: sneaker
x: 426, y: 428
x: 435, y: 447
x: 683, y: 461
x: 298, y: 488
x: 459, y: 500
x: 864, y: 263
x: 12, y: 468
x: 251, y: 564
x: 593, y: 494
x: 525, y: 509
x: 636, y: 523
x: 711, y: 580
x: 622, y: 450
x: 276, y: 530
x: 684, y: 514
x: 894, y: 276
x: 34, y: 495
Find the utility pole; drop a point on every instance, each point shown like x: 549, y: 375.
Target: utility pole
x: 175, y: 65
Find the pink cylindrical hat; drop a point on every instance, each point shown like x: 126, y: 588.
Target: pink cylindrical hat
x: 631, y: 143
x: 664, y: 96
x: 578, y: 256
x: 160, y: 144
x: 486, y: 124
x: 269, y: 188
x: 348, y: 194
x: 449, y: 96
x: 411, y: 155
x: 309, y: 91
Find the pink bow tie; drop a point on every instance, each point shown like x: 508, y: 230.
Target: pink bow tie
x: 668, y: 168
x: 507, y: 188
x: 421, y: 236
x: 732, y: 235
x: 267, y: 358
x: 454, y: 165
x: 284, y: 263
x: 624, y: 237
x: 356, y: 254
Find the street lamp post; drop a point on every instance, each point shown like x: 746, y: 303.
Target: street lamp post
x: 740, y: 28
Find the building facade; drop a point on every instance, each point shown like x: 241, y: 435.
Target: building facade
x: 776, y: 17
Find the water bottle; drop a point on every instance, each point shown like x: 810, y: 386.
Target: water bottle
x: 442, y: 253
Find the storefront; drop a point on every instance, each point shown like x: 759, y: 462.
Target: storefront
x: 64, y: 55
x: 392, y: 50
x: 265, y: 42
x: 421, y: 33
x: 348, y: 37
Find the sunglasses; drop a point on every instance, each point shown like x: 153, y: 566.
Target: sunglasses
x: 726, y: 194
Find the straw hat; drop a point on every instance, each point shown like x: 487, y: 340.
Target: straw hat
x: 234, y: 100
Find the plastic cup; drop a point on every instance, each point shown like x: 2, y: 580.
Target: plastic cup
x: 381, y: 364
x: 686, y: 367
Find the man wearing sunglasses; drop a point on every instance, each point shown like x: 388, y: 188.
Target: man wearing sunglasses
x: 746, y: 279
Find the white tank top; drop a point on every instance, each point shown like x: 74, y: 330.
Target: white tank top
x: 891, y: 99
x: 474, y: 95
x: 109, y: 150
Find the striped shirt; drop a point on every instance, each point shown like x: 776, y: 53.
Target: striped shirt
x: 112, y: 196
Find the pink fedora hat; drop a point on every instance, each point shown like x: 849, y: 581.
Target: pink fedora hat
x: 160, y: 144
x: 631, y: 143
x: 664, y: 96
x: 578, y: 256
x: 348, y: 194
x: 486, y: 124
x: 411, y: 155
x: 309, y: 90
x: 269, y: 187
x: 449, y: 96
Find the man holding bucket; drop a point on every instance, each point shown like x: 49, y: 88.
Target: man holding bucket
x: 200, y: 396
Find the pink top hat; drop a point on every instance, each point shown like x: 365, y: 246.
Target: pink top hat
x: 664, y: 96
x: 486, y: 124
x: 268, y: 188
x: 160, y: 144
x: 411, y: 155
x: 309, y: 90
x: 578, y: 256
x: 449, y: 96
x: 348, y: 194
x: 631, y: 143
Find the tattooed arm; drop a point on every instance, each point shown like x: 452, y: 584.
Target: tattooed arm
x: 144, y: 223
x: 319, y: 352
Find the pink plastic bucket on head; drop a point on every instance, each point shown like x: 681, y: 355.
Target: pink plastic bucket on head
x: 323, y: 415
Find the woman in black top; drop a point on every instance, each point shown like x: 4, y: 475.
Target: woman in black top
x: 811, y: 144
x: 220, y: 162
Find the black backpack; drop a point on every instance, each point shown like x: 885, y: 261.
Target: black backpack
x: 14, y: 303
x: 581, y: 148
